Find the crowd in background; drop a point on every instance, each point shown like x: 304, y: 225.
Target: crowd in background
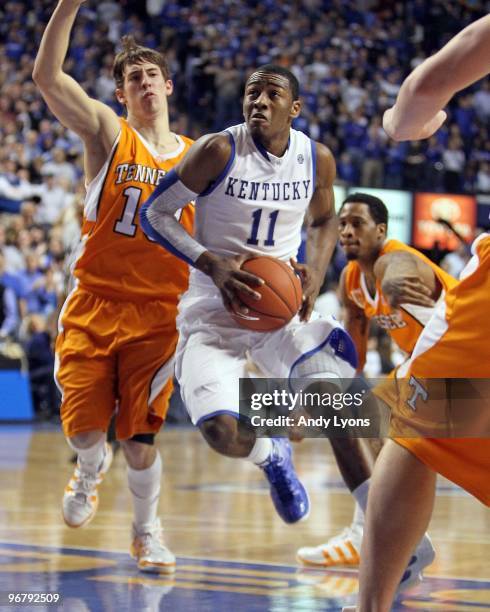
x: 349, y: 57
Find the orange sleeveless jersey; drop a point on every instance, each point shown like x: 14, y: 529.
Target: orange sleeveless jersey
x: 118, y: 261
x: 403, y: 324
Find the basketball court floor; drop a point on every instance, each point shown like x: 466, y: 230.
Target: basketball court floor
x: 234, y: 553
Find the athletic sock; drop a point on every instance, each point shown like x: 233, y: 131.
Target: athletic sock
x: 360, y: 494
x: 145, y: 489
x: 261, y: 451
x: 90, y: 458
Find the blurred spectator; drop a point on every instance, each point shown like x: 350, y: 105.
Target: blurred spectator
x: 374, y: 150
x: 55, y: 197
x: 9, y: 319
x: 347, y: 172
x: 455, y: 261
x: 40, y: 358
x: 415, y: 163
x: 483, y: 178
x: 453, y: 160
x: 58, y: 167
x: 481, y: 102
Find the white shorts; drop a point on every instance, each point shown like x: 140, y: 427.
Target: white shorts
x: 214, y: 352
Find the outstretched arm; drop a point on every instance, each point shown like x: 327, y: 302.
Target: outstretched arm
x: 93, y: 121
x: 465, y: 59
x: 405, y: 278
x: 322, y: 228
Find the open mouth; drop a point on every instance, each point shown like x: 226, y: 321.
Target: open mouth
x: 258, y: 117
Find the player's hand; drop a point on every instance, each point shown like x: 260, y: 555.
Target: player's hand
x: 311, y: 288
x: 231, y: 280
x: 407, y: 290
x: 415, y: 132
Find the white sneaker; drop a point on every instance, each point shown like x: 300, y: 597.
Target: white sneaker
x: 81, y: 498
x: 422, y: 557
x: 150, y: 553
x: 341, y: 550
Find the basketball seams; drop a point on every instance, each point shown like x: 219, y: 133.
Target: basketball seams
x: 284, y: 266
x: 291, y: 279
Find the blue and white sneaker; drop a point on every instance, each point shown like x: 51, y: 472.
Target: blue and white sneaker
x: 288, y: 494
x: 422, y: 557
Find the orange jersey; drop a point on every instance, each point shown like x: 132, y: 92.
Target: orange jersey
x: 404, y: 324
x: 117, y: 260
x: 454, y: 346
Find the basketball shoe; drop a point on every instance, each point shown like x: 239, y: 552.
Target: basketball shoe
x: 81, y: 497
x: 288, y: 494
x: 150, y: 553
x: 341, y: 550
x: 344, y: 551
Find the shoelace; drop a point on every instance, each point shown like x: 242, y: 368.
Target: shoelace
x: 83, y: 485
x: 152, y: 540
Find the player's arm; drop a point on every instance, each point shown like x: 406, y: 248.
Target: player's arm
x: 93, y: 121
x: 322, y: 230
x: 465, y: 59
x: 405, y: 278
x: 355, y: 321
x: 203, y: 164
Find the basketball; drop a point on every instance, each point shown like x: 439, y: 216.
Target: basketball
x: 281, y: 295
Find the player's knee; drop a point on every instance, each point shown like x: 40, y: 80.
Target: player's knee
x: 139, y: 455
x: 220, y: 433
x: 85, y: 439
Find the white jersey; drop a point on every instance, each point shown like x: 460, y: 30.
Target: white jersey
x: 257, y: 205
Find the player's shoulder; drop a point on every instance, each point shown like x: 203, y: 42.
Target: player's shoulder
x: 325, y: 161
x: 401, y: 249
x: 217, y: 143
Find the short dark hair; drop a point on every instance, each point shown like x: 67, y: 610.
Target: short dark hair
x: 276, y: 69
x: 132, y: 53
x: 377, y: 208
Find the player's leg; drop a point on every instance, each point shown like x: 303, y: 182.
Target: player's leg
x: 85, y: 383
x: 209, y: 381
x: 85, y: 374
x: 355, y: 459
x: 400, y: 505
x: 145, y: 368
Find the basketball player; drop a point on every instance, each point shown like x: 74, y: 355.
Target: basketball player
x: 453, y: 344
x: 397, y: 287
x: 117, y: 332
x: 253, y: 185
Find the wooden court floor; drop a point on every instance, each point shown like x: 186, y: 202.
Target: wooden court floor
x: 233, y: 552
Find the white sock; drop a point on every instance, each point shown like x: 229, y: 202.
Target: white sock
x: 261, y: 451
x: 360, y: 494
x: 358, y: 518
x: 90, y: 458
x: 145, y: 489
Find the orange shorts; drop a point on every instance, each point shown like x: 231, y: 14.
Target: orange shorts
x: 454, y: 345
x: 114, y: 356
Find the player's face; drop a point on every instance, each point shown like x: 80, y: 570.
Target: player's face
x: 145, y: 89
x: 359, y: 235
x: 268, y: 105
